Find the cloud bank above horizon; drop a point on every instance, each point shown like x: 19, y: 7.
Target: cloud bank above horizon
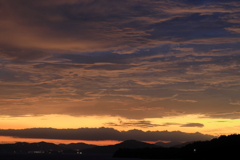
x: 100, y: 134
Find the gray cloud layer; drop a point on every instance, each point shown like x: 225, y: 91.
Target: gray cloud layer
x: 104, y: 134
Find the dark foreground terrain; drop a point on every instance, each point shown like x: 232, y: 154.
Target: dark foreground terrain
x: 224, y: 147
x: 61, y: 157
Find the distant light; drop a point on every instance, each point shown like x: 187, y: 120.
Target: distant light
x: 194, y: 150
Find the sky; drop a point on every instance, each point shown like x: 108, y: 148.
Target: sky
x: 129, y: 69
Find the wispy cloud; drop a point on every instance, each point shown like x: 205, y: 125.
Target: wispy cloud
x: 140, y: 124
x: 149, y: 124
x: 192, y: 125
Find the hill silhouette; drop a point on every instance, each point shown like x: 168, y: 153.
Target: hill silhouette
x: 170, y: 144
x: 224, y: 147
x: 113, y: 148
x: 23, y: 147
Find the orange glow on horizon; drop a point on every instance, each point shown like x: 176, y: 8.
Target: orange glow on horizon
x: 213, y: 127
x: 11, y: 140
x: 8, y: 139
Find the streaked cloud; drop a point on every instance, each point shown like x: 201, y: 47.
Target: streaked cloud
x: 148, y: 124
x: 192, y: 125
x: 139, y: 123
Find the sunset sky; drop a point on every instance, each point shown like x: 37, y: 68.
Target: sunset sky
x: 89, y: 70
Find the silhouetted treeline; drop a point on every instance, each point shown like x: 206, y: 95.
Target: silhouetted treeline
x: 224, y: 147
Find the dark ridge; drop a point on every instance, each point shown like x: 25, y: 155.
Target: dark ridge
x: 170, y: 144
x: 134, y: 144
x: 113, y: 148
x: 23, y: 147
x: 224, y: 147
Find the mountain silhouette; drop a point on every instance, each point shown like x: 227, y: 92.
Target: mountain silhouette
x: 170, y: 144
x: 23, y: 147
x: 224, y: 147
x: 113, y: 148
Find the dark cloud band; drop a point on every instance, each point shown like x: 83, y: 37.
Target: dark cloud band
x: 104, y: 134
